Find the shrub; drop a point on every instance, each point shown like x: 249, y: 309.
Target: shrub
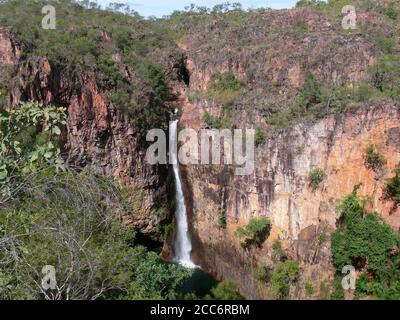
x: 363, y: 93
x: 225, y: 291
x: 255, y: 233
x: 226, y: 81
x: 278, y: 254
x: 310, y: 93
x: 385, y: 73
x: 309, y: 289
x: 315, y: 177
x: 260, y: 137
x: 154, y: 279
x: 154, y: 73
x: 222, y: 220
x: 225, y: 88
x: 387, y: 44
x: 302, y: 26
x: 364, y: 241
x: 218, y: 123
x: 391, y: 12
x: 284, y: 275
x: 392, y: 189
x: 373, y: 159
x: 262, y: 274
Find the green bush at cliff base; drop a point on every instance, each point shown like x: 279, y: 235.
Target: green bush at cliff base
x: 365, y: 242
x: 225, y: 291
x: 255, y: 233
x: 284, y: 275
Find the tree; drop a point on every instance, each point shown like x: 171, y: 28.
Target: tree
x: 309, y: 3
x: 255, y: 233
x: 225, y: 291
x: 154, y: 279
x: 284, y: 275
x: 370, y: 245
x: 310, y: 92
x: 29, y: 137
x: 72, y: 221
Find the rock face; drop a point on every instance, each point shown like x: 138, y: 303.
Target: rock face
x: 279, y: 189
x: 9, y: 49
x: 302, y: 219
x: 97, y: 133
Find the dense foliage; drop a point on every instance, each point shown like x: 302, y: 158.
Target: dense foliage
x: 226, y: 290
x: 72, y: 221
x: 371, y: 246
x: 284, y: 275
x: 22, y: 145
x: 254, y: 233
x: 112, y: 45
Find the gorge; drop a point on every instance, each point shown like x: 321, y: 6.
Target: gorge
x: 323, y: 103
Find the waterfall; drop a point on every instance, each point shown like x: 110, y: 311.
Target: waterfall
x: 182, y: 243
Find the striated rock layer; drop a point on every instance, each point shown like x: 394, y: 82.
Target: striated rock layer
x: 279, y: 189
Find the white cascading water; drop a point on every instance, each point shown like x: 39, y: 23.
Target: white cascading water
x: 182, y: 244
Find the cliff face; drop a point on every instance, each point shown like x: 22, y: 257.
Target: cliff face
x: 97, y: 133
x: 279, y: 189
x: 9, y: 48
x: 302, y: 219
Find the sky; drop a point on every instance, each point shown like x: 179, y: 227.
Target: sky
x: 160, y: 8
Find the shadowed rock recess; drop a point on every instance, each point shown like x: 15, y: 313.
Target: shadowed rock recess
x: 235, y: 70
